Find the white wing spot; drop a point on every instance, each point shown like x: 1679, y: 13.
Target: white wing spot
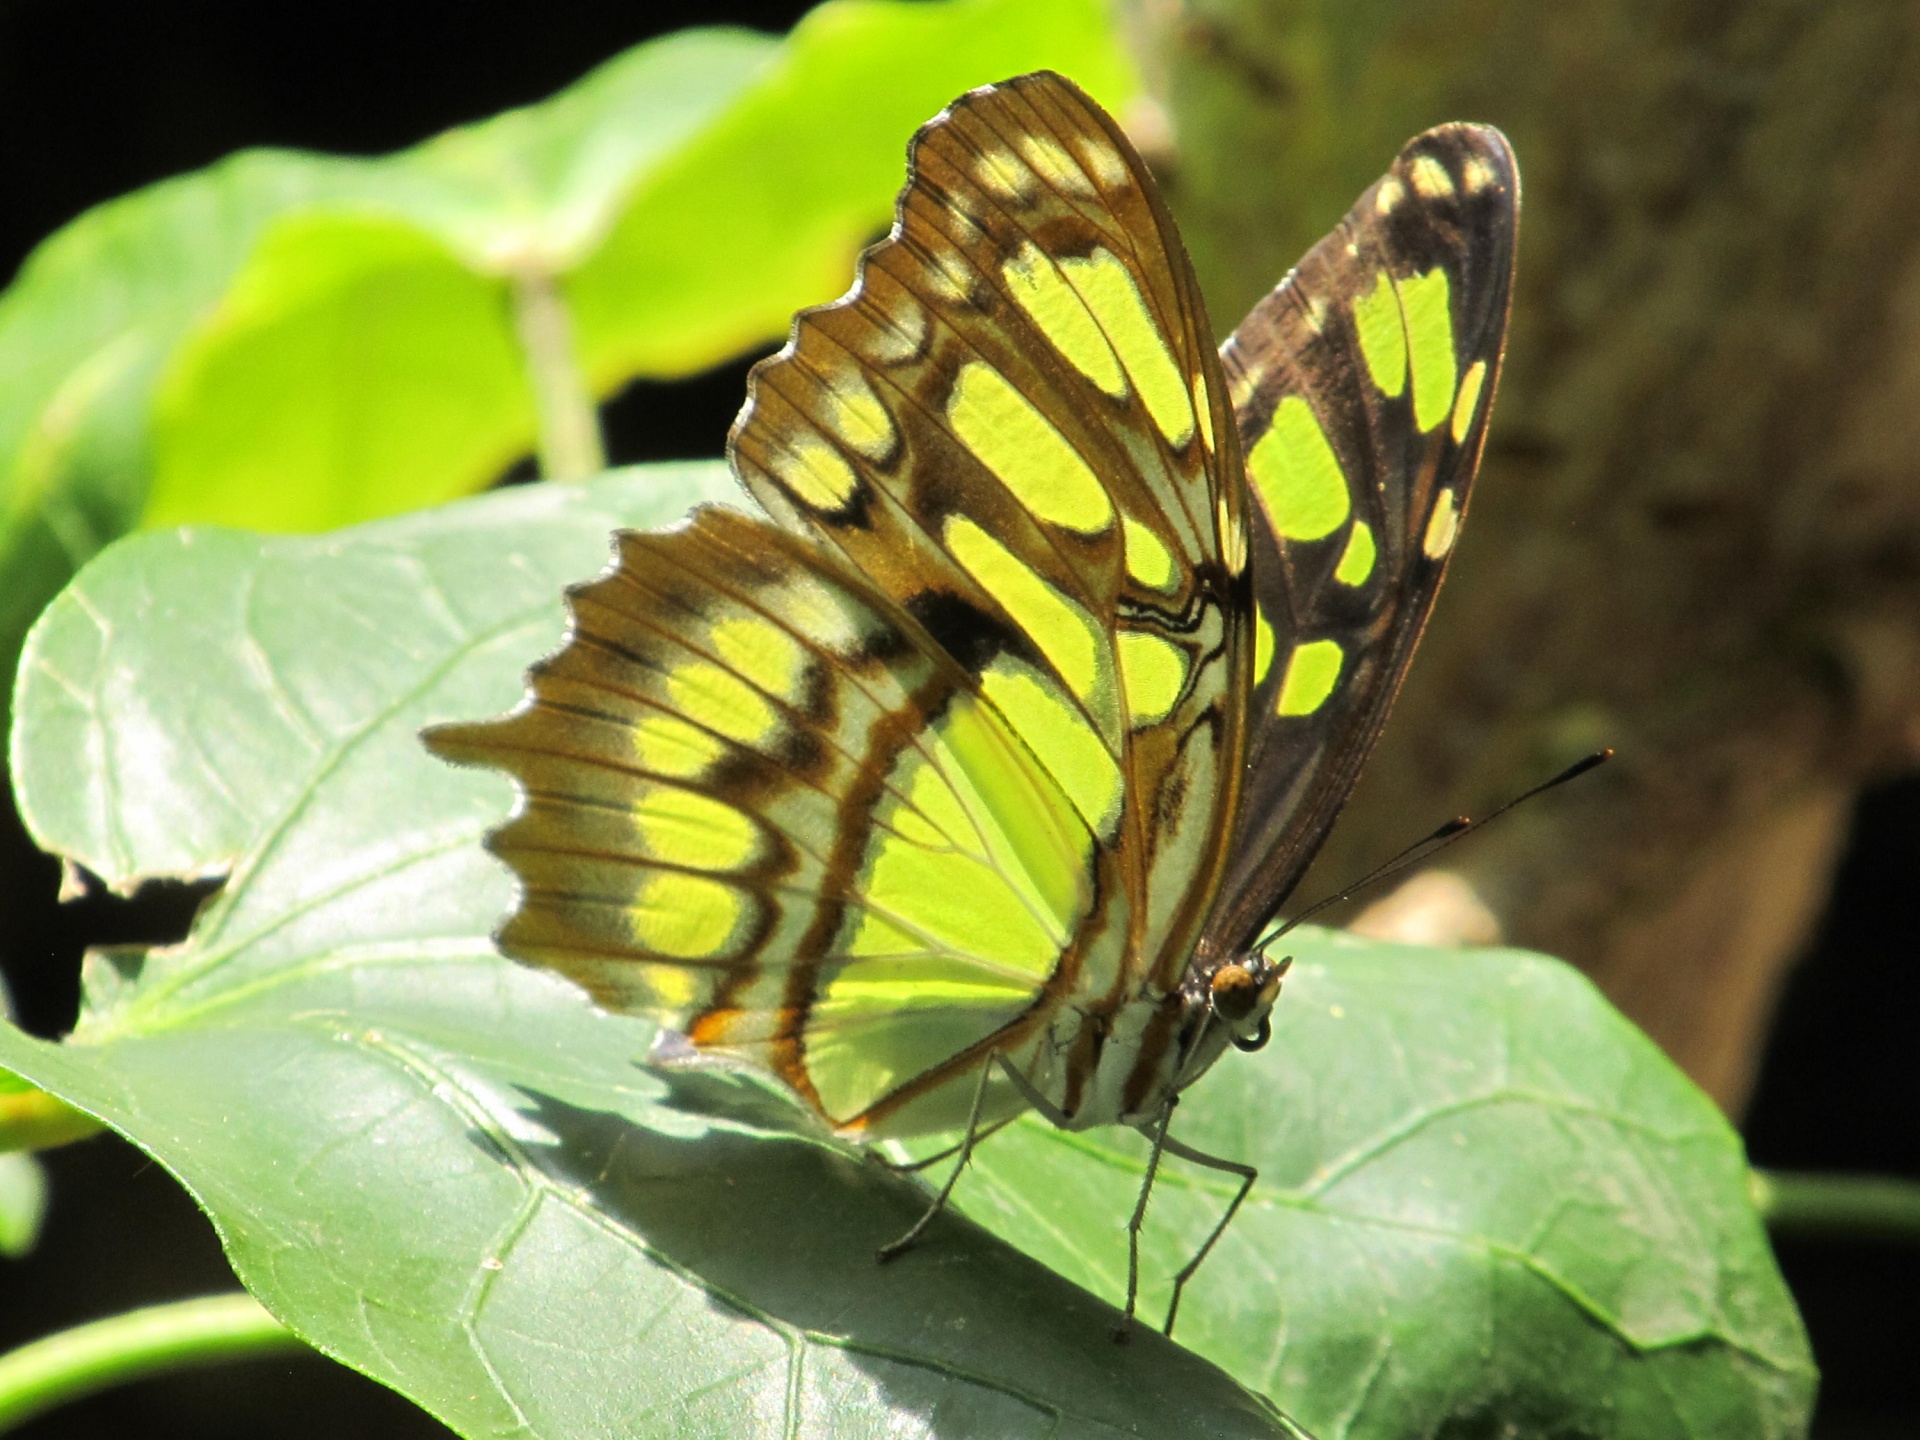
x: 1004, y: 175
x: 899, y: 333
x: 858, y: 417
x: 1390, y: 194
x: 950, y: 279
x: 1233, y: 538
x: 1442, y: 527
x: 1430, y: 177
x: 1054, y: 165
x: 1105, y: 162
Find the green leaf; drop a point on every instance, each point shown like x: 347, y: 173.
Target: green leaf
x: 23, y: 1181
x: 364, y: 359
x: 293, y: 341
x: 85, y: 332
x: 1486, y: 1201
x: 23, y: 1203
x: 353, y: 369
x: 441, y: 1168
x: 1487, y: 1205
x: 783, y: 190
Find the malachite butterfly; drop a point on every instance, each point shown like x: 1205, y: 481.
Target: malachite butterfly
x: 967, y: 776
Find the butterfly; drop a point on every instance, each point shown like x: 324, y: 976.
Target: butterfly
x: 966, y: 776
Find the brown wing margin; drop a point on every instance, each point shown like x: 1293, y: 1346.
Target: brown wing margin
x: 1450, y: 202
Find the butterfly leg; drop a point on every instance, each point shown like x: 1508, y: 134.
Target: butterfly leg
x: 1062, y: 1121
x: 1247, y: 1176
x: 914, y: 1167
x: 906, y: 1242
x: 1137, y: 1221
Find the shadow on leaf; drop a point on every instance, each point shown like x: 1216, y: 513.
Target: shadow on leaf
x: 964, y: 1332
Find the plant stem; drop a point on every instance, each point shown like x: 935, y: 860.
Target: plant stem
x: 35, y: 1120
x: 109, y: 1352
x: 569, y: 443
x: 1823, y: 1206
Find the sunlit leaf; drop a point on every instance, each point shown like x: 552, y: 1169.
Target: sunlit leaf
x: 443, y: 1169
x: 787, y: 186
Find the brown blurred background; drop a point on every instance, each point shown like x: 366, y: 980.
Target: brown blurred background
x: 1697, y: 538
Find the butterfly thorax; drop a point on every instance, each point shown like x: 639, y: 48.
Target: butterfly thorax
x: 1121, y: 1064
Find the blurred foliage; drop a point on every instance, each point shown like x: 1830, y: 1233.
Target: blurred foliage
x: 23, y: 1183
x: 291, y: 341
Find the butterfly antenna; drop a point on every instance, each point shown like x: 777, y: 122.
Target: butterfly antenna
x: 1427, y: 847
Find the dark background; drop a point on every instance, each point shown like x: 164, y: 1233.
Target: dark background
x: 98, y: 97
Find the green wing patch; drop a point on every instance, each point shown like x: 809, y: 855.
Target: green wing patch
x: 762, y: 806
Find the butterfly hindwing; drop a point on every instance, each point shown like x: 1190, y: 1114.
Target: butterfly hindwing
x: 1361, y: 386
x: 730, y: 728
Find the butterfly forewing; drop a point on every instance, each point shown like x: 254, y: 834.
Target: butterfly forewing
x: 1015, y: 423
x: 1361, y: 387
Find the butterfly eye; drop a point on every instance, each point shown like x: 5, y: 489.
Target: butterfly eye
x: 1235, y: 993
x: 1276, y: 971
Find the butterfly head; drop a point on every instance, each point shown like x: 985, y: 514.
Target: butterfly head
x: 1241, y: 995
x: 1229, y: 1003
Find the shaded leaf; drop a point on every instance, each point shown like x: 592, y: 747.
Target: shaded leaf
x: 1487, y: 1202
x: 1488, y: 1205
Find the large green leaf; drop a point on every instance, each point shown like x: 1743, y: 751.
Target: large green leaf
x: 292, y: 341
x: 364, y: 359
x: 1487, y: 1201
x: 85, y: 331
x: 439, y: 1167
